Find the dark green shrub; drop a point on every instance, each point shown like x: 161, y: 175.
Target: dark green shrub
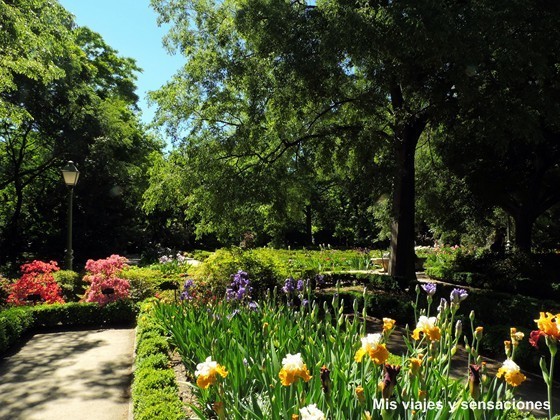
x: 516, y: 272
x: 155, y: 393
x: 121, y: 312
x: 14, y: 323
x: 200, y: 255
x: 154, y: 379
x: 71, y: 283
x: 372, y: 281
x: 5, y: 290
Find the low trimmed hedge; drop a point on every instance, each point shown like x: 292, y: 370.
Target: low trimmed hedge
x: 155, y: 393
x: 15, y: 322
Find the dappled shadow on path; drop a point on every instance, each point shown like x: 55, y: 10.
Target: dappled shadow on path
x: 59, y: 369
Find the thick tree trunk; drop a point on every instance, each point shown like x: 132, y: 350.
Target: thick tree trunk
x: 401, y: 264
x: 402, y: 261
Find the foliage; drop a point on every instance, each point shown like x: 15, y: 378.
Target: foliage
x: 346, y: 385
x: 278, y: 136
x: 513, y: 100
x: 5, y: 287
x: 104, y: 285
x: 261, y: 267
x: 514, y: 272
x: 145, y: 282
x: 448, y: 211
x: 14, y: 322
x: 154, y: 389
x: 66, y: 94
x: 37, y: 284
x: 81, y: 314
x: 71, y: 284
x: 269, y: 267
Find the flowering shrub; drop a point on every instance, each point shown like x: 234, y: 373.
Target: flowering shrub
x: 37, y: 284
x: 169, y: 264
x: 105, y: 286
x: 285, y: 361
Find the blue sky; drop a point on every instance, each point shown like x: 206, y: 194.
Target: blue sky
x: 130, y: 27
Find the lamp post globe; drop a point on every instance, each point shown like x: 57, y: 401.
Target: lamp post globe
x: 70, y: 174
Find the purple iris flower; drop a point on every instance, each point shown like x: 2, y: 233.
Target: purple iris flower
x: 289, y: 286
x: 300, y: 286
x: 185, y: 295
x: 320, y: 280
x: 429, y: 288
x: 458, y: 295
x: 253, y: 306
x: 239, y: 288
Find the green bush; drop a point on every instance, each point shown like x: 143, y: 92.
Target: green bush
x: 155, y: 393
x: 200, y: 255
x: 71, y: 283
x: 145, y: 282
x: 264, y: 272
x: 157, y: 404
x: 516, y: 272
x: 84, y: 314
x: 14, y: 323
x: 5, y: 290
x: 153, y: 361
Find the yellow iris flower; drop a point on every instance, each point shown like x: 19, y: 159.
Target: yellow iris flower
x: 511, y: 373
x: 207, y: 373
x: 371, y: 345
x: 428, y: 327
x: 292, y: 369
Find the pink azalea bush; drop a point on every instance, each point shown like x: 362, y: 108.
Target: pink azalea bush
x: 37, y: 284
x: 105, y: 285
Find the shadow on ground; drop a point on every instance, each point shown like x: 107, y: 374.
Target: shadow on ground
x: 55, y: 375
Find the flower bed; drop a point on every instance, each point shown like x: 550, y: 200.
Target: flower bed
x: 288, y: 359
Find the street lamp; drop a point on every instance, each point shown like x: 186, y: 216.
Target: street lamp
x: 70, y: 174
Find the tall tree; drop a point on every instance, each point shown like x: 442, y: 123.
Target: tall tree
x: 265, y: 76
x: 505, y: 141
x: 78, y: 104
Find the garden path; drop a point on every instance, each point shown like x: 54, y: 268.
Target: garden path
x: 78, y: 375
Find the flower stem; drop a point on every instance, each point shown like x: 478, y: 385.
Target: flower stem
x: 549, y: 385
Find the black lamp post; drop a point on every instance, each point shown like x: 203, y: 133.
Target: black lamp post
x: 70, y: 174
